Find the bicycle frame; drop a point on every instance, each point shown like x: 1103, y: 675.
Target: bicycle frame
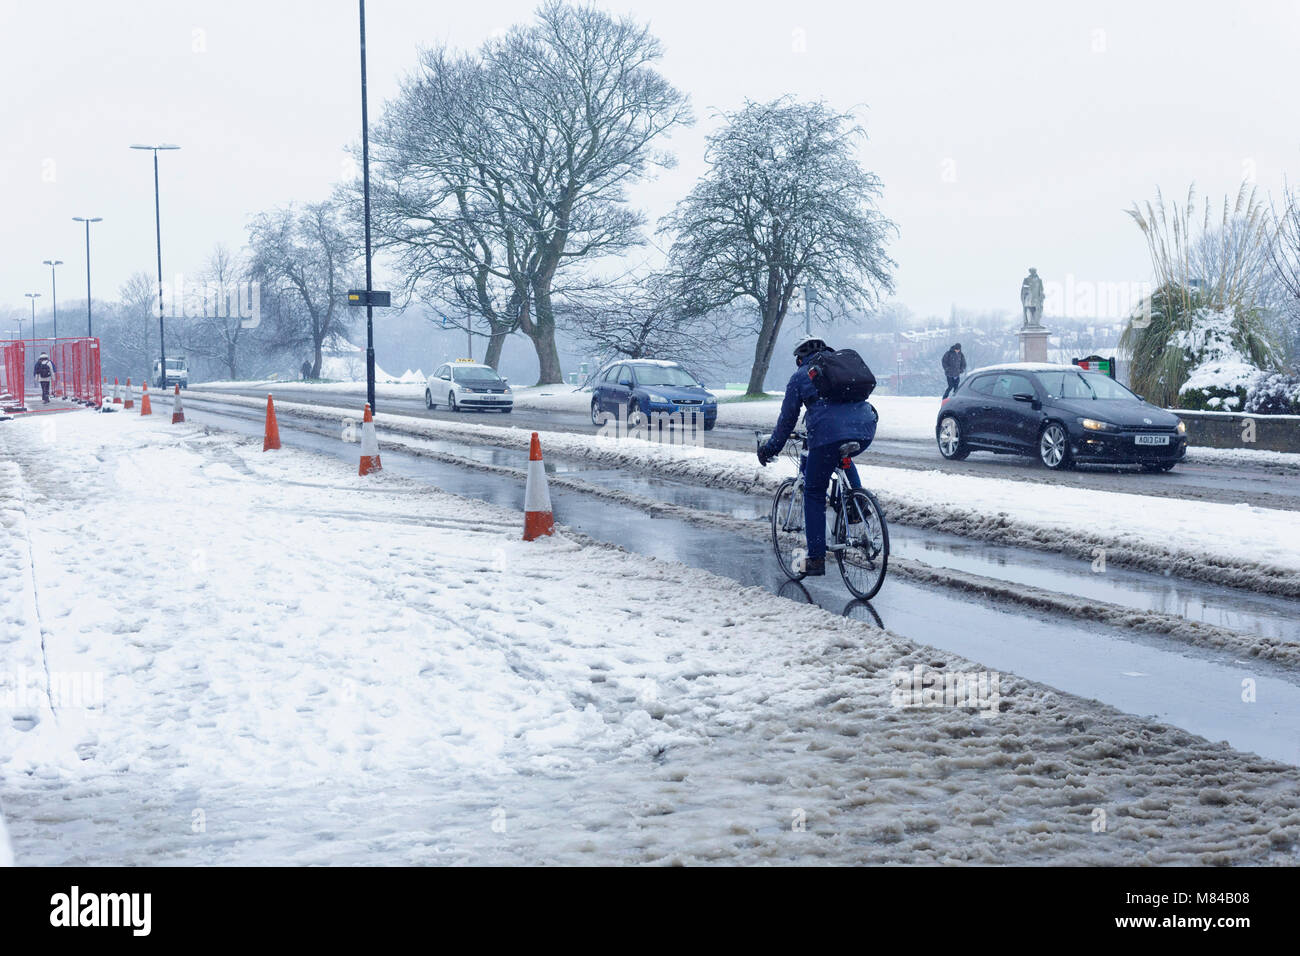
x: 837, y: 490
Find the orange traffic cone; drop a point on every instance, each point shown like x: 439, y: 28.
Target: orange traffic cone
x: 272, y: 439
x: 178, y: 409
x: 369, y: 444
x: 117, y: 393
x: 538, y: 520
x: 145, y: 407
x: 130, y: 397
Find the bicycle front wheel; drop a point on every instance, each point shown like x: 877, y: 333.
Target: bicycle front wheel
x: 865, y: 555
x: 787, y: 526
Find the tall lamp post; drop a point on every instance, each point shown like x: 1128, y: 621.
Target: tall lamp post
x: 365, y: 180
x: 33, y: 296
x: 54, y: 294
x: 157, y: 225
x: 88, y: 220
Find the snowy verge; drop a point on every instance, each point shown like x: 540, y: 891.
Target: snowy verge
x: 332, y: 669
x: 1234, y: 545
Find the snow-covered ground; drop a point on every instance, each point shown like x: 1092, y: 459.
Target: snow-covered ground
x: 222, y: 656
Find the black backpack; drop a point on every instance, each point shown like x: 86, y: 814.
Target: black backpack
x: 841, y: 377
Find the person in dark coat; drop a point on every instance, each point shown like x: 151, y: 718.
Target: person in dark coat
x: 306, y: 370
x: 44, y: 372
x: 954, y: 366
x: 829, y: 424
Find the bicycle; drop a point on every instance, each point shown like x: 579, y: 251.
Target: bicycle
x: 860, y: 536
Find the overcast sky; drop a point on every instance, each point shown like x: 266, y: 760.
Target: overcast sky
x: 1006, y: 134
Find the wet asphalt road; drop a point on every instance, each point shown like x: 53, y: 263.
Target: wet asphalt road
x: 1259, y: 485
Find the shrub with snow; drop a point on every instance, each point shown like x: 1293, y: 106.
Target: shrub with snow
x: 1221, y: 373
x: 1274, y: 394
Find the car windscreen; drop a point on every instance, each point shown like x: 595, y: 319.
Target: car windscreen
x: 175, y: 363
x: 473, y: 374
x: 664, y: 375
x: 1082, y: 385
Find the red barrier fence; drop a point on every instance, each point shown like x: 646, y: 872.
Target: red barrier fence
x: 77, y: 376
x: 12, y: 362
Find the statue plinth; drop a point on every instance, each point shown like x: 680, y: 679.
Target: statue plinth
x: 1033, y: 343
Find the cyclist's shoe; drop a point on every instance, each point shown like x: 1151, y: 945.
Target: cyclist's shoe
x: 855, y: 514
x: 814, y: 567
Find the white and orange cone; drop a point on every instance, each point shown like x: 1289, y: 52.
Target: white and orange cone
x: 271, y: 441
x: 129, y: 401
x: 178, y: 409
x: 145, y: 407
x: 369, y: 444
x: 538, y: 519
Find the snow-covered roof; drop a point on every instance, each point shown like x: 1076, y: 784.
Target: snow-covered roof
x: 1029, y: 367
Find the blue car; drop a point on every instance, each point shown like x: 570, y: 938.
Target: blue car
x: 649, y: 388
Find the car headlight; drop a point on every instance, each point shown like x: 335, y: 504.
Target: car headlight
x: 1093, y: 425
x: 710, y: 400
x: 657, y: 398
x: 1182, y: 427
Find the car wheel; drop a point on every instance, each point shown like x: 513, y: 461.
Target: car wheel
x: 709, y: 424
x: 451, y: 402
x: 428, y: 398
x: 949, y: 437
x: 597, y: 416
x: 507, y: 411
x: 635, y: 417
x: 1158, y: 468
x: 1054, y: 447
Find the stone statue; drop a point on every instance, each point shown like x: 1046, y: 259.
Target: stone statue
x: 1031, y: 299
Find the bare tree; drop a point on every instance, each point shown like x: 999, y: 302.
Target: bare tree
x: 1284, y: 257
x: 126, y: 331
x: 301, y: 259
x: 215, y: 327
x: 500, y: 172
x: 640, y: 320
x: 441, y: 206
x: 784, y: 205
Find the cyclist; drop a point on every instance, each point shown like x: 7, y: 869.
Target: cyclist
x: 829, y: 425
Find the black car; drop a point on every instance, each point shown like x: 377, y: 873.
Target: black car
x: 1060, y: 415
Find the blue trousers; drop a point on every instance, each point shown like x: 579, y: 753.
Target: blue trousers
x: 820, y: 465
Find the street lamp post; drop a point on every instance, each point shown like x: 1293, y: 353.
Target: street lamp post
x: 157, y: 225
x: 54, y: 294
x: 88, y: 220
x: 33, y: 296
x: 365, y: 179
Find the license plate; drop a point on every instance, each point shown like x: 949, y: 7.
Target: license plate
x: 1151, y: 440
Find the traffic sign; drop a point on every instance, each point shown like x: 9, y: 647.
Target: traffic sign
x: 380, y: 300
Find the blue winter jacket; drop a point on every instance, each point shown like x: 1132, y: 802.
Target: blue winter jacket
x: 827, y: 422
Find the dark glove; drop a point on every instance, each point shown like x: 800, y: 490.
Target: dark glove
x: 764, y: 456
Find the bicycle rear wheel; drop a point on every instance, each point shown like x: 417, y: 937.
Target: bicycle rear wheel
x: 787, y: 526
x: 865, y: 555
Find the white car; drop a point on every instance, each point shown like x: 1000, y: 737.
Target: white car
x: 466, y: 384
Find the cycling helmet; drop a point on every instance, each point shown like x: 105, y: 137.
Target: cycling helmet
x: 807, y: 346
